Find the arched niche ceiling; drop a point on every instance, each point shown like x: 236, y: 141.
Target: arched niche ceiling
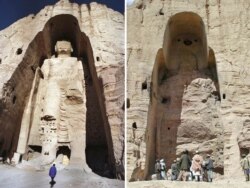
x: 66, y: 27
x: 184, y: 31
x: 60, y: 27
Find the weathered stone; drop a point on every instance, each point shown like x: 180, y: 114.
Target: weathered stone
x: 182, y: 86
x: 244, y: 138
x: 205, y: 123
x: 78, y: 93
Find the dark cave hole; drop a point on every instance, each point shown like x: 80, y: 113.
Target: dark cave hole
x: 35, y: 148
x: 161, y: 12
x: 139, y: 6
x: 19, y: 51
x: 128, y: 103
x: 64, y: 150
x: 187, y: 42
x: 144, y: 85
x: 14, y: 99
x: 165, y: 100
x: 244, y: 151
x: 204, y: 100
x: 134, y: 125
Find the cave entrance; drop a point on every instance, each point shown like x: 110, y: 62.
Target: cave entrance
x: 35, y: 148
x: 33, y: 152
x: 63, y: 150
x: 244, y: 151
x: 63, y: 154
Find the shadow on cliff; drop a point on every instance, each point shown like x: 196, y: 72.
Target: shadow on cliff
x: 17, y: 90
x: 184, y: 57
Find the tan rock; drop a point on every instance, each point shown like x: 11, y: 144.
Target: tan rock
x: 95, y: 48
x: 205, y: 123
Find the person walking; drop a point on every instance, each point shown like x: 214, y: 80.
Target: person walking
x: 52, y: 172
x: 245, y: 166
x: 196, y: 167
x: 209, y: 168
x: 163, y: 169
x: 158, y: 169
x: 185, y: 164
x: 174, y: 171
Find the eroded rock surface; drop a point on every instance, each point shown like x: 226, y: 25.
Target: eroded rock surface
x: 206, y: 124
x: 100, y: 49
x: 182, y: 87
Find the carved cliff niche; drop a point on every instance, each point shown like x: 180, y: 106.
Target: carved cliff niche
x: 17, y: 91
x: 184, y: 63
x: 243, y: 138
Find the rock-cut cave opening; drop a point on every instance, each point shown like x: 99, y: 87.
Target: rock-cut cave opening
x: 99, y: 149
x: 63, y: 150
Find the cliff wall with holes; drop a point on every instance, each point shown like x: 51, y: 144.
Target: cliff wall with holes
x: 219, y: 126
x: 29, y: 41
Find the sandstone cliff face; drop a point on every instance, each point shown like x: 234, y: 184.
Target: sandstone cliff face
x: 209, y: 125
x: 28, y: 42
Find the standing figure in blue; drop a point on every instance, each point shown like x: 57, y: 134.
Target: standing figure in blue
x: 52, y: 173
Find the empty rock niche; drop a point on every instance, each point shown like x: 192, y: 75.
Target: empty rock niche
x: 185, y: 57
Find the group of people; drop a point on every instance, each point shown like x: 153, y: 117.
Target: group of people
x: 185, y: 169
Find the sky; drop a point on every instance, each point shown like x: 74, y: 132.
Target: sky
x: 13, y: 10
x: 129, y: 2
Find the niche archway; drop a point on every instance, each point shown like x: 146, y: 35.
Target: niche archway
x: 60, y: 27
x: 184, y: 59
